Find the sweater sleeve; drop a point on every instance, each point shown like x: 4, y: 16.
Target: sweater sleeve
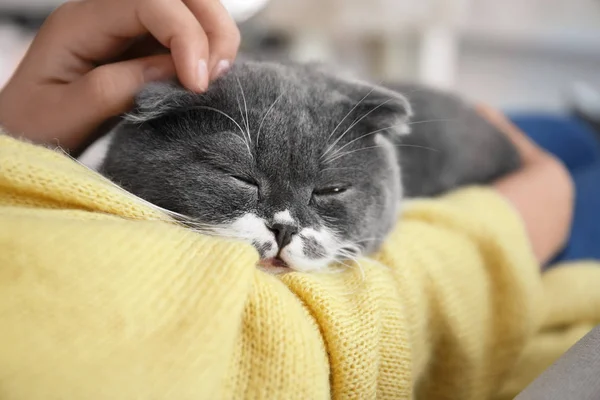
x: 471, y: 283
x: 443, y: 310
x: 99, y: 299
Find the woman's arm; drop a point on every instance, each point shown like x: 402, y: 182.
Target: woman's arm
x: 542, y: 192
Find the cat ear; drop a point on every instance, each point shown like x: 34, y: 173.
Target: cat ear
x: 386, y: 110
x: 157, y: 99
x: 381, y: 108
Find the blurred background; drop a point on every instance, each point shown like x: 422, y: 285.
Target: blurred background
x: 539, y: 55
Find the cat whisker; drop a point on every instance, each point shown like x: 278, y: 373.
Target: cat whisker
x: 243, y: 140
x: 374, y: 239
x: 349, y: 252
x: 379, y: 264
x: 352, y: 126
x: 376, y: 147
x: 349, y: 248
x: 365, y: 135
x: 170, y: 217
x: 358, y: 266
x: 265, y: 116
x: 415, y: 90
x: 331, y: 221
x: 333, y: 269
x: 350, y: 112
x: 433, y: 120
x: 245, y: 134
x: 232, y: 120
x: 245, y: 108
x: 361, y: 269
x: 347, y: 255
x: 340, y: 168
x: 237, y: 99
x: 417, y: 147
x: 390, y: 127
x: 209, y: 230
x: 330, y: 160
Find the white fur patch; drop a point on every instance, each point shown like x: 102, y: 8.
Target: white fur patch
x: 252, y: 228
x: 293, y: 254
x: 284, y: 217
x: 93, y: 156
x: 391, y: 155
x: 403, y: 128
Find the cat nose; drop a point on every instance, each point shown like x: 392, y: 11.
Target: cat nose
x: 283, y: 233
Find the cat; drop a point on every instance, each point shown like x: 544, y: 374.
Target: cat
x: 307, y: 166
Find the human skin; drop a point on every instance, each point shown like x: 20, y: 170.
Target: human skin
x: 542, y: 191
x: 91, y: 57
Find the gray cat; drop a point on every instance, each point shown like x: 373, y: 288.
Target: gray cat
x: 307, y: 166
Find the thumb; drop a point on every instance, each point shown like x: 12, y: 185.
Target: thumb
x: 110, y: 89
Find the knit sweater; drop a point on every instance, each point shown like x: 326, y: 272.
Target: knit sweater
x: 102, y: 297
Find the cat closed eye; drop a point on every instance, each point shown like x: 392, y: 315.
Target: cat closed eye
x: 245, y: 180
x: 330, y: 191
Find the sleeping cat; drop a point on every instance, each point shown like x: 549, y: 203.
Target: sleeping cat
x: 307, y: 166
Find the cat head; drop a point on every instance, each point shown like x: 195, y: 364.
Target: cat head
x: 296, y: 161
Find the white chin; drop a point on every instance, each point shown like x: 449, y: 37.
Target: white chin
x: 303, y: 264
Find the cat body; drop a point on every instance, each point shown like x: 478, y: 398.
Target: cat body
x: 450, y: 144
x: 309, y: 167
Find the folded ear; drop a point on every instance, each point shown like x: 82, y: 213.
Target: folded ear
x: 157, y: 99
x: 387, y: 110
x: 379, y: 107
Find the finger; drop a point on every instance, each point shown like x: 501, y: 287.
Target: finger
x: 222, y: 31
x: 144, y: 46
x: 176, y: 28
x: 109, y: 90
x: 95, y: 30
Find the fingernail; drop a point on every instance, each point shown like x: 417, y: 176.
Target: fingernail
x: 202, y: 75
x: 221, y: 68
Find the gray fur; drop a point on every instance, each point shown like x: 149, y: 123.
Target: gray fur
x: 267, y: 141
x: 451, y: 145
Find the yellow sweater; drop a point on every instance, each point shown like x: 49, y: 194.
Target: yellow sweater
x: 100, y: 298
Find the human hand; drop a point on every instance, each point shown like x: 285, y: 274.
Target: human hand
x: 91, y: 57
x: 541, y: 192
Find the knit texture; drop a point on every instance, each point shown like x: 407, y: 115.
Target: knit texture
x: 102, y: 297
